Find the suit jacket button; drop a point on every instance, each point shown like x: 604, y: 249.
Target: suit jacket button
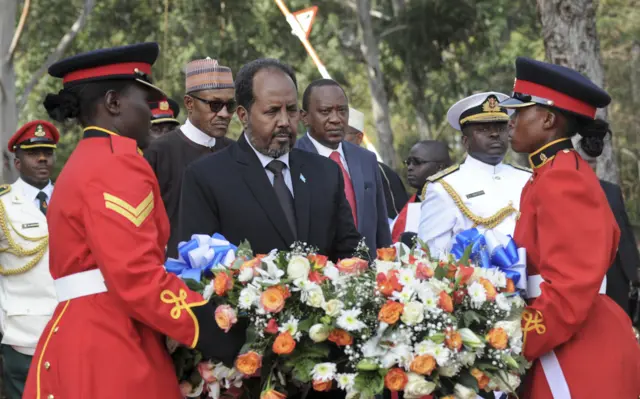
x: 50, y: 396
x: 47, y: 365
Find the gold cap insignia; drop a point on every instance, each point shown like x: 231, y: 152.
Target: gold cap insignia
x: 39, y: 131
x: 491, y: 105
x: 164, y: 105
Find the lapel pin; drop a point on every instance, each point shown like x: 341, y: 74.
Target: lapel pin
x: 304, y: 180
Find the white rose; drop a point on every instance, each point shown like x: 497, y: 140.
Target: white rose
x: 333, y: 307
x: 417, y: 386
x: 298, y: 267
x: 463, y: 392
x: 246, y: 275
x: 315, y: 298
x: 319, y: 332
x: 413, y: 313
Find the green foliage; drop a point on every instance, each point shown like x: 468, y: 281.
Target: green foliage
x: 369, y: 383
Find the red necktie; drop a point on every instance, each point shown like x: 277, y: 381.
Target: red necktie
x: 401, y: 221
x: 348, y: 186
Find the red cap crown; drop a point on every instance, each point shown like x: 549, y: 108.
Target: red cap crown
x: 34, y: 134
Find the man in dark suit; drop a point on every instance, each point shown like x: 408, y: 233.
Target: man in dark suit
x: 260, y: 188
x: 325, y: 112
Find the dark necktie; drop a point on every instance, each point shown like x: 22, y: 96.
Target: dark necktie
x: 42, y: 200
x: 284, y: 195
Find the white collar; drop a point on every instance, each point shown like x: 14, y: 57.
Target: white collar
x: 478, y: 166
x: 264, y: 159
x: 196, y: 135
x: 31, y: 192
x: 324, y: 150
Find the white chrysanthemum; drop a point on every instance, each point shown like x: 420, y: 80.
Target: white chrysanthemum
x: 405, y: 295
x: 346, y: 381
x: 406, y: 277
x: 348, y: 320
x: 518, y: 301
x: 441, y: 353
x: 248, y: 297
x: 290, y: 326
x: 429, y: 300
x: 467, y: 358
x: 478, y: 294
x: 324, y: 372
x: 503, y: 302
x: 439, y: 285
x: 450, y: 370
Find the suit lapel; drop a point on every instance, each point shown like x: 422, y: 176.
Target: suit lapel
x: 305, y: 144
x: 256, y: 179
x: 302, y: 196
x: 357, y: 177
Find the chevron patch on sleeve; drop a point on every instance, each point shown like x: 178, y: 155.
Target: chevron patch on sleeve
x: 136, y: 215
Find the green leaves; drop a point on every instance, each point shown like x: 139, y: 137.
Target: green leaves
x: 369, y: 383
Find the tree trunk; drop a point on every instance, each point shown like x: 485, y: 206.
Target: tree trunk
x: 62, y: 46
x: 8, y: 111
x: 379, y: 102
x: 571, y: 39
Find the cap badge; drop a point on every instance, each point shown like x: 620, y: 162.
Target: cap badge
x: 543, y: 157
x: 39, y: 131
x: 164, y: 105
x: 491, y: 105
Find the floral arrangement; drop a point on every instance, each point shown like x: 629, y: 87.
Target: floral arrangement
x: 404, y: 322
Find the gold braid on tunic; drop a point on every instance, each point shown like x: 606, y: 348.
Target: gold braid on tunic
x: 37, y: 252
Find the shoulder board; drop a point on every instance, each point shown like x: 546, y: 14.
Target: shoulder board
x: 5, y: 188
x: 516, y: 166
x: 443, y: 173
x: 123, y: 145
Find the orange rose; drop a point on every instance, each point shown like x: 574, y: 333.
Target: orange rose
x: 272, y: 299
x: 248, y: 363
x: 423, y: 364
x: 340, y: 337
x: 453, y: 340
x: 317, y: 277
x: 322, y: 386
x: 445, y: 302
x: 318, y: 261
x: 390, y: 312
x: 387, y: 254
x: 396, y: 379
x: 491, y: 290
x: 482, y: 378
x: 451, y: 270
x: 511, y: 287
x: 423, y: 271
x: 284, y: 344
x: 498, y: 338
x: 226, y: 317
x: 272, y: 394
x: 352, y: 265
x: 285, y: 291
x: 222, y: 283
x: 463, y: 274
x: 388, y: 283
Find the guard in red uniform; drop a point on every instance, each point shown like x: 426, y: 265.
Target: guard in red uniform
x: 581, y: 343
x: 163, y: 117
x: 108, y: 230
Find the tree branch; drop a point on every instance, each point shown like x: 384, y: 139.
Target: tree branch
x: 18, y: 33
x: 376, y: 14
x: 62, y: 46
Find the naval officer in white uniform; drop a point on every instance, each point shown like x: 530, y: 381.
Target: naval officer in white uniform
x: 482, y: 191
x: 27, y: 294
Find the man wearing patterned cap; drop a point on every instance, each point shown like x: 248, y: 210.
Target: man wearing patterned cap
x: 163, y: 117
x: 27, y: 294
x: 210, y: 105
x: 481, y: 192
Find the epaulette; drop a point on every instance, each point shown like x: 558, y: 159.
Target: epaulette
x: 434, y: 178
x: 523, y: 168
x: 124, y: 145
x: 5, y: 188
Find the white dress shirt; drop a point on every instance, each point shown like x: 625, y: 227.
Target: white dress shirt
x: 196, y: 135
x: 265, y: 160
x: 483, y: 188
x: 326, y: 151
x: 31, y: 192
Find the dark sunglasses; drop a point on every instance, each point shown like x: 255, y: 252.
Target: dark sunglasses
x: 217, y: 105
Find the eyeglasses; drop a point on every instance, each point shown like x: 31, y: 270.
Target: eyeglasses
x: 416, y: 161
x: 217, y: 105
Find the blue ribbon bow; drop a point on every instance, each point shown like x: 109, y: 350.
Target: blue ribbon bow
x: 493, y: 250
x: 200, y: 255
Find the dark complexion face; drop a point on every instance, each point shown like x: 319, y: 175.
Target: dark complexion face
x: 354, y: 136
x: 129, y: 113
x: 160, y: 129
x: 530, y: 128
x: 422, y: 162
x: 214, y: 124
x: 271, y: 123
x: 35, y: 166
x: 486, y: 142
x: 328, y: 115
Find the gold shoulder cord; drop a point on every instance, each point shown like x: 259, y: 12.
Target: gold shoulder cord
x: 17, y: 250
x: 488, y: 222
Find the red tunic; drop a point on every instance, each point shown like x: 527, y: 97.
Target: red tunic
x: 571, y: 238
x: 107, y: 213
